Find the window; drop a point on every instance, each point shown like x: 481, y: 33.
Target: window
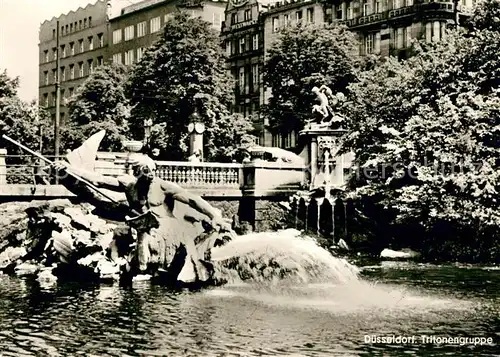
x: 399, y: 38
x: 408, y: 36
x: 46, y: 77
x: 436, y: 31
x: 366, y: 8
x: 286, y: 20
x: 62, y: 30
x: 63, y: 51
x: 377, y: 42
x: 368, y: 43
x: 409, y: 2
x: 140, y: 53
x: 217, y: 21
x: 141, y: 29
x: 247, y: 15
x: 241, y: 79
x: 228, y: 48
x: 339, y: 13
x: 310, y: 15
x: 117, y: 36
x: 45, y: 99
x: 72, y: 71
x: 90, y: 63
x: 155, y: 24
x: 54, y: 76
x: 398, y: 4
x: 129, y: 33
x: 85, y: 23
x: 298, y: 16
x: 54, y: 54
x: 234, y: 18
x: 255, y: 42
x: 53, y: 34
x: 242, y: 44
x: 71, y: 90
x: 276, y: 25
x: 79, y: 25
x: 168, y: 17
x: 90, y: 21
x: 100, y: 40
x: 255, y: 75
x: 99, y: 61
x: 71, y: 27
x: 67, y: 29
x: 350, y: 14
x: 129, y: 57
x: 117, y: 58
x: 46, y: 56
x: 378, y: 6
x: 80, y: 69
x: 80, y: 46
x: 234, y: 47
x: 72, y: 48
x: 52, y: 98
x: 63, y: 74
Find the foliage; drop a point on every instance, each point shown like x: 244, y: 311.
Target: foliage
x: 184, y: 70
x: 99, y: 103
x: 486, y: 16
x: 21, y: 121
x: 425, y: 136
x: 304, y: 57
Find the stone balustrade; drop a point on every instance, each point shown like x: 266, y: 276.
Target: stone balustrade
x: 257, y: 178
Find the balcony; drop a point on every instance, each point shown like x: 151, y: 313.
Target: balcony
x: 427, y: 8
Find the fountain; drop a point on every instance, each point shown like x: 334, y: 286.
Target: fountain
x: 322, y: 209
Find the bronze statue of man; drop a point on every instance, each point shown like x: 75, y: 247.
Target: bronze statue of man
x: 160, y: 241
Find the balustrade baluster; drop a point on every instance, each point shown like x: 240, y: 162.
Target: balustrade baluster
x: 197, y: 177
x: 211, y: 180
x: 183, y: 176
x: 175, y: 174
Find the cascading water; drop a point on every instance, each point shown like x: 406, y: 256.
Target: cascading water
x: 283, y: 256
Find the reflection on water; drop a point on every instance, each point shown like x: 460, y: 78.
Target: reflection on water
x: 254, y: 319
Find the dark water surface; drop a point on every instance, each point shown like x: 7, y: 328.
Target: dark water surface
x: 257, y: 320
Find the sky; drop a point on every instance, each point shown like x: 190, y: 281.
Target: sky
x: 19, y: 24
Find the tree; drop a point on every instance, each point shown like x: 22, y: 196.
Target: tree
x: 21, y: 121
x: 486, y: 16
x: 425, y: 135
x: 304, y: 57
x: 183, y: 70
x: 99, y: 103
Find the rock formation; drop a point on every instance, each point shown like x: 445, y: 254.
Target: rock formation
x: 58, y: 239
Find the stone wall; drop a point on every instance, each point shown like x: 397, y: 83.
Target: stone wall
x: 263, y: 214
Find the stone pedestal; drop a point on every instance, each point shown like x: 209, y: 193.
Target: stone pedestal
x: 325, y: 165
x: 196, y: 131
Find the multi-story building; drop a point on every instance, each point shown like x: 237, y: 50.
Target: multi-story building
x: 82, y: 46
x: 388, y: 27
x: 138, y: 26
x: 243, y: 37
x: 279, y: 15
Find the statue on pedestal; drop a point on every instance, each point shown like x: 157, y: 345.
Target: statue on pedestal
x: 326, y: 117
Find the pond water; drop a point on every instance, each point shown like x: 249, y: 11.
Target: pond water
x: 257, y: 319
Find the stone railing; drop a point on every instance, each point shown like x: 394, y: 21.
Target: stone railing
x: 200, y: 175
x: 257, y: 178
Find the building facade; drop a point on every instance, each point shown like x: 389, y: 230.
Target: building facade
x: 138, y: 26
x: 82, y: 46
x: 388, y: 27
x: 280, y: 15
x: 243, y: 38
